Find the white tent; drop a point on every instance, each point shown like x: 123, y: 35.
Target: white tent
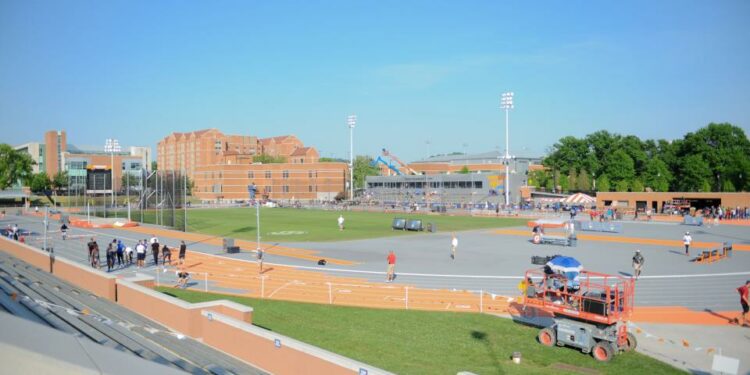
x: 579, y: 198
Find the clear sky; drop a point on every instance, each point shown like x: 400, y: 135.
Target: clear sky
x: 413, y: 71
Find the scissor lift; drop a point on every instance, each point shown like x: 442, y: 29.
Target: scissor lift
x: 590, y: 315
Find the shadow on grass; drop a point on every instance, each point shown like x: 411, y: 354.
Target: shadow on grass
x: 482, y: 337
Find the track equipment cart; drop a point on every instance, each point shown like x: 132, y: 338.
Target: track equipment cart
x: 590, y: 313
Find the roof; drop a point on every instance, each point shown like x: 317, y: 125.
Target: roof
x: 302, y: 151
x: 484, y: 157
x: 277, y: 139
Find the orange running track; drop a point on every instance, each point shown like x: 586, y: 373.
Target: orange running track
x: 281, y: 282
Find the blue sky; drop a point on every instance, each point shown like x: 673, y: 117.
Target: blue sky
x: 413, y: 72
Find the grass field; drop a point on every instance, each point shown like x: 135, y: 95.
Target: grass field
x: 299, y: 225
x: 417, y: 342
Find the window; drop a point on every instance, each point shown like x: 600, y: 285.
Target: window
x: 285, y: 174
x: 285, y: 188
x: 309, y: 188
x: 268, y: 174
x: 310, y: 174
x: 250, y: 174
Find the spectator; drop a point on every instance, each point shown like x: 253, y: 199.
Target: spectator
x: 167, y: 255
x: 129, y: 254
x: 111, y: 255
x: 341, y: 222
x: 140, y: 253
x: 155, y: 249
x: 454, y: 245
x: 120, y: 253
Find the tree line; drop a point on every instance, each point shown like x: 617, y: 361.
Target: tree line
x: 714, y: 158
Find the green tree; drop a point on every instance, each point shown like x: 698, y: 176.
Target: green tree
x: 637, y: 186
x: 694, y: 174
x: 154, y: 166
x: 602, y: 183
x: 622, y: 185
x: 362, y: 168
x: 620, y: 168
x: 573, y: 180
x: 40, y: 182
x: 539, y: 179
x: 15, y: 166
x: 268, y: 159
x: 584, y: 181
x: 657, y: 175
x: 60, y: 181
x: 569, y: 153
x: 464, y: 170
x: 724, y: 148
x: 728, y: 186
x: 562, y: 182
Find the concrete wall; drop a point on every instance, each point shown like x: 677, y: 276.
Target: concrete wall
x: 95, y: 281
x: 274, y: 353
x: 225, y: 325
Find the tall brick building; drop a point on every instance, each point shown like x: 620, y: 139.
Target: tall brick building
x: 222, y: 166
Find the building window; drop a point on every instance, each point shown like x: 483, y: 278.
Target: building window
x: 268, y: 174
x: 285, y: 188
x: 285, y: 174
x: 250, y: 174
x: 309, y: 188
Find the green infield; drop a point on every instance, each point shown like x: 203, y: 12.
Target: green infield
x: 419, y: 342
x: 300, y: 225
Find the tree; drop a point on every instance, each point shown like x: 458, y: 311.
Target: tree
x: 269, y: 159
x: 657, y: 175
x: 464, y: 170
x: 15, y: 166
x: 620, y: 169
x: 539, y: 179
x: 694, y: 174
x: 154, y: 166
x: 60, y: 181
x: 724, y: 148
x: 573, y: 180
x: 637, y: 186
x: 622, y: 185
x: 584, y: 181
x: 362, y: 168
x: 602, y: 183
x: 40, y: 182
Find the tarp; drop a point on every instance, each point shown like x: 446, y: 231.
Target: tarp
x: 579, y: 198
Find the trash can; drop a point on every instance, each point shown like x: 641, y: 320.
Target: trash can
x: 431, y: 227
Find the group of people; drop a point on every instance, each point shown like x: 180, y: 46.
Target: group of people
x: 121, y: 254
x: 727, y: 213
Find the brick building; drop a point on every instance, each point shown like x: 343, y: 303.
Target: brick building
x: 222, y: 166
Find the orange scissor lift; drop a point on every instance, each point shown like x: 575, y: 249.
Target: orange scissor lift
x: 591, y: 317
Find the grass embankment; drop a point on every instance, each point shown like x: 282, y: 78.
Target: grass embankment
x: 418, y: 342
x: 299, y: 225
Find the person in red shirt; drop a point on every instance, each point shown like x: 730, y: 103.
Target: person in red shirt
x: 744, y: 302
x: 391, y: 266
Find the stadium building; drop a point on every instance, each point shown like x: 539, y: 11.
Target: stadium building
x: 451, y: 179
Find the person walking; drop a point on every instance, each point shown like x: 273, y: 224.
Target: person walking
x: 91, y: 247
x: 638, y: 261
x: 64, y: 231
x: 166, y: 256
x: 454, y: 245
x: 120, y: 253
x: 743, y: 290
x: 183, y: 250
x: 111, y: 255
x: 687, y: 240
x: 391, y: 267
x: 155, y: 249
x: 341, y: 222
x: 140, y: 253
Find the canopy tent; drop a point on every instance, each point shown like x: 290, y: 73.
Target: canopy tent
x: 579, y: 198
x: 568, y: 267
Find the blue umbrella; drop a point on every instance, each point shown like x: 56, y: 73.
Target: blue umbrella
x: 566, y: 266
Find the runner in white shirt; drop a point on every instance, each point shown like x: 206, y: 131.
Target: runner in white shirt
x: 687, y: 240
x: 454, y: 245
x: 341, y: 222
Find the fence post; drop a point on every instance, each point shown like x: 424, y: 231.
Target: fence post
x: 406, y: 299
x: 481, y: 301
x: 330, y: 294
x: 205, y: 281
x: 157, y: 277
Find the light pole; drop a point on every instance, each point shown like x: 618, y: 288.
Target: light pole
x: 351, y: 121
x: 506, y: 103
x: 111, y: 145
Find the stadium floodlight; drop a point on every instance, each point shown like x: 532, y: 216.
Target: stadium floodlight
x: 351, y: 121
x: 506, y: 103
x: 111, y: 145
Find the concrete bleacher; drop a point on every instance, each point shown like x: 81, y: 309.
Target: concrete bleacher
x: 39, y: 297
